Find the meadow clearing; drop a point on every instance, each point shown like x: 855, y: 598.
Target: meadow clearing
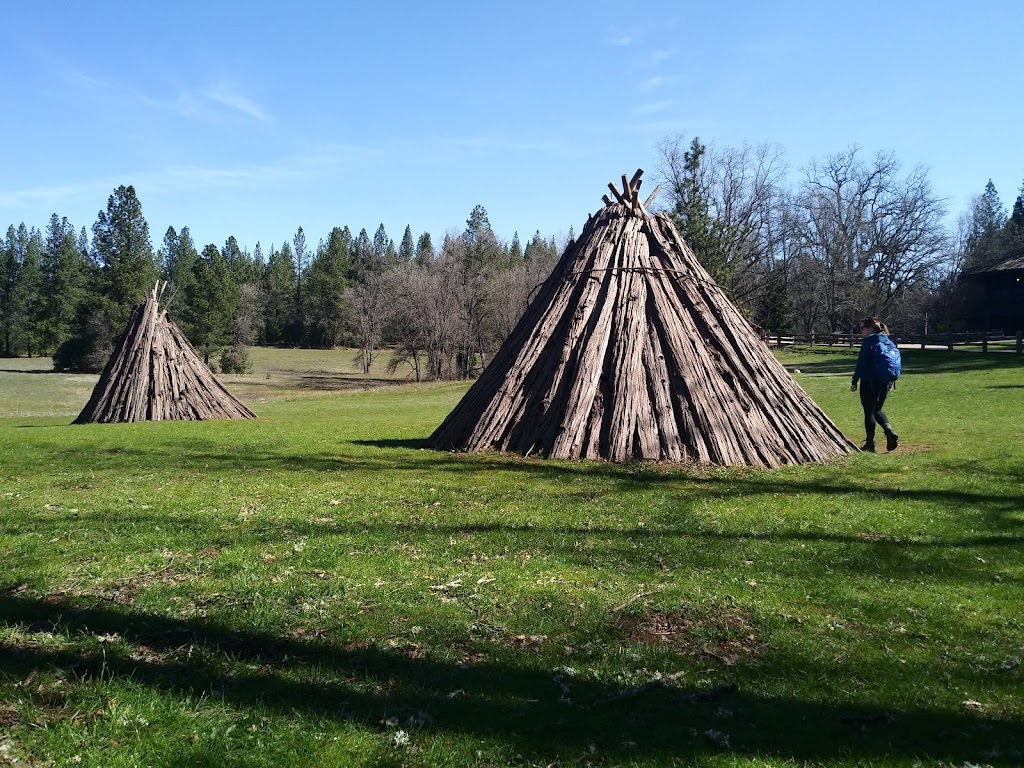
x: 314, y: 589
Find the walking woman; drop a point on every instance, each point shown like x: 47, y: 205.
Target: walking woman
x: 878, y: 367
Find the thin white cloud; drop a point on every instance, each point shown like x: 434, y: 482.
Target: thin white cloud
x: 227, y: 96
x: 658, y: 81
x: 652, y: 107
x: 658, y: 56
x: 210, y: 103
x: 498, y: 144
x: 623, y: 38
x: 318, y: 161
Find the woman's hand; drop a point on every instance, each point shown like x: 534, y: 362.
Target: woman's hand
x: 853, y: 387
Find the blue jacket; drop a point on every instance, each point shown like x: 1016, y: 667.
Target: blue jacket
x: 866, y: 360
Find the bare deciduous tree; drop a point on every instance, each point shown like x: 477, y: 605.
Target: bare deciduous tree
x: 874, y: 233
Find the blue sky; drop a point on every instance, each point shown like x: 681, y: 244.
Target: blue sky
x: 255, y: 118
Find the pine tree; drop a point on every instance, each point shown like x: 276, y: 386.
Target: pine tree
x: 242, y: 267
x: 539, y: 249
x: 180, y: 258
x: 424, y: 250
x: 301, y: 256
x: 279, y: 284
x: 482, y: 246
x: 83, y: 246
x: 407, y: 250
x: 364, y: 259
x: 325, y: 288
x: 124, y: 254
x: 380, y: 247
x: 64, y: 281
x: 985, y: 235
x: 209, y: 326
x: 29, y: 303
x: 1014, y: 229
x: 10, y: 266
x: 516, y: 249
x: 693, y: 216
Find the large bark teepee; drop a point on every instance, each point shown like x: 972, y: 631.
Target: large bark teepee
x: 631, y: 351
x: 155, y: 375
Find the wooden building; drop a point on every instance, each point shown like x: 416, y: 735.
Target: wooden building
x: 995, y: 295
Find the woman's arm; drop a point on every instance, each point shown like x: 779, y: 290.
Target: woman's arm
x: 863, y: 362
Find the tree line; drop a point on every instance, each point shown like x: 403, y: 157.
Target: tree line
x: 849, y: 235
x: 439, y: 311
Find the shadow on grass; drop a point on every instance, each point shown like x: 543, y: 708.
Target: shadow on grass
x: 397, y: 455
x: 410, y: 443
x: 915, y: 362
x: 342, y: 382
x: 42, y: 370
x: 540, y: 712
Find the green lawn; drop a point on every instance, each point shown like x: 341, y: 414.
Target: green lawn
x: 313, y: 589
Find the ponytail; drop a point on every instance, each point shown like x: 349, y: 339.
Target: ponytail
x: 876, y: 325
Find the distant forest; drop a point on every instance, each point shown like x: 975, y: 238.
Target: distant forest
x: 813, y: 251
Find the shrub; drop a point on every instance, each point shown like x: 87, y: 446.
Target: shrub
x: 235, y: 359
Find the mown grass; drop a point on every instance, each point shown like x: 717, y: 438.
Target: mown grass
x: 313, y: 589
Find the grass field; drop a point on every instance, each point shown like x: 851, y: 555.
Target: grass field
x: 313, y: 589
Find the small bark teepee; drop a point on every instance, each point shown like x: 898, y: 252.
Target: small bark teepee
x: 631, y: 351
x: 155, y: 375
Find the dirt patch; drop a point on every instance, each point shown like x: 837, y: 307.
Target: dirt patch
x: 725, y: 633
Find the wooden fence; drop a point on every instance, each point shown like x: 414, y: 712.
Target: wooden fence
x: 970, y: 340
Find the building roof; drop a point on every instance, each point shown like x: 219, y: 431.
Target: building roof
x: 1012, y: 263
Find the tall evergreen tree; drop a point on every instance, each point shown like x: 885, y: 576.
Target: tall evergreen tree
x: 123, y: 251
x: 301, y: 256
x: 10, y: 266
x: 407, y: 250
x: 380, y: 245
x: 482, y: 246
x: 29, y: 302
x: 83, y: 246
x: 213, y: 307
x: 693, y: 215
x: 280, y: 285
x: 424, y: 250
x: 64, y: 280
x: 516, y: 249
x: 326, y: 283
x: 242, y: 267
x: 1014, y: 229
x: 984, y: 242
x: 364, y: 260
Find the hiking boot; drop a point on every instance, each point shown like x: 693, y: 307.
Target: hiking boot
x: 891, y: 441
x: 868, y: 448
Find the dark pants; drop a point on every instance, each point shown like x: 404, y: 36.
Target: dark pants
x: 872, y: 397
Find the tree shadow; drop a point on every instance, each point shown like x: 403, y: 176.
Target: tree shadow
x: 538, y: 711
x: 400, y: 455
x: 915, y: 362
x: 411, y: 443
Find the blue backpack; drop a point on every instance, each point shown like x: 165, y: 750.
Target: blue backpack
x: 886, y: 364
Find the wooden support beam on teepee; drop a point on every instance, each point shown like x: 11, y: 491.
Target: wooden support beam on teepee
x: 631, y: 351
x: 154, y: 374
